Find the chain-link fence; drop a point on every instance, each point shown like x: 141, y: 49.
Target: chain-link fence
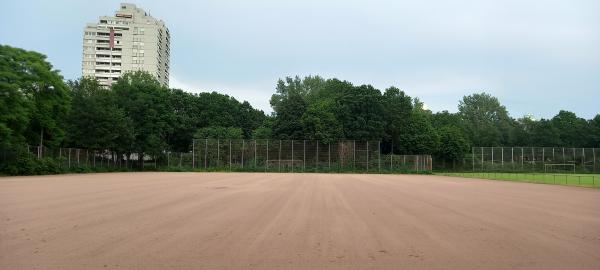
x: 297, y: 156
x: 536, y: 159
x: 244, y: 155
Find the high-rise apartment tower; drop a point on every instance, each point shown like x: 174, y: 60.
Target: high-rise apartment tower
x: 129, y: 41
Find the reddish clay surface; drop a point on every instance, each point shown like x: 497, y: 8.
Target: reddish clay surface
x: 294, y: 221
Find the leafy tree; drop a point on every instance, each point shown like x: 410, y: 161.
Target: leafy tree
x: 594, y: 130
x: 95, y: 121
x: 360, y: 112
x: 544, y: 133
x: 485, y: 119
x: 146, y: 103
x: 572, y: 129
x: 34, y: 97
x: 219, y: 133
x: 320, y: 123
x: 398, y: 111
x: 453, y: 144
x: 288, y: 124
x: 419, y: 137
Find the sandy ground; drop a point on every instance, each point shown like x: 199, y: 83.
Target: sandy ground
x: 294, y: 221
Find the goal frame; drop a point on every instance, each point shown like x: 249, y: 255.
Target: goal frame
x: 558, y: 164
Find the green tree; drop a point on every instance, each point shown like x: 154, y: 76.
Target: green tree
x: 34, y: 99
x: 419, y: 137
x: 360, y: 112
x: 95, y: 121
x: 219, y: 133
x: 572, y: 130
x: 453, y: 144
x: 320, y: 123
x: 146, y: 103
x: 485, y: 119
x: 398, y: 110
x: 288, y: 124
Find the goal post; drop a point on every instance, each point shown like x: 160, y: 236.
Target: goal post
x: 562, y: 167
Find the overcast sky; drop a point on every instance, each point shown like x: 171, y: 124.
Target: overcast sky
x: 537, y: 57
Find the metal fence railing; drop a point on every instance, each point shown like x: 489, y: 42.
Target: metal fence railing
x: 245, y: 155
x: 536, y: 159
x: 301, y: 156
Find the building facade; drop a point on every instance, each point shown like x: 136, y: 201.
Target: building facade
x: 130, y: 40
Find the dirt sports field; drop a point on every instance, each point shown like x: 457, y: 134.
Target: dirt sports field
x: 294, y: 221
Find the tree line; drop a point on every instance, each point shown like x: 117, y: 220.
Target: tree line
x: 138, y: 115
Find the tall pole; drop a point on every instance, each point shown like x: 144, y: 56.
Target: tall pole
x: 303, y: 154
x: 254, y: 153
x: 218, y: 153
x: 353, y: 154
x: 379, y: 155
x: 317, y: 157
x: 267, y: 160
x: 482, y: 159
x: 367, y: 155
x: 329, y: 155
x: 292, y: 155
x: 243, y: 146
x: 502, y: 156
x: 391, y: 156
x: 512, y: 158
x: 473, y: 157
x: 193, y: 155
x: 205, y: 153
x: 229, y: 154
x: 280, y: 154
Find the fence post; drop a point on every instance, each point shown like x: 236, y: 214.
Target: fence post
x: 317, y: 158
x: 522, y: 159
x: 482, y: 159
x: 267, y: 160
x: 303, y: 154
x: 379, y: 155
x: 574, y: 160
x: 594, y: 154
x: 205, y: 153
x: 229, y: 154
x: 280, y: 154
x: 168, y: 159
x: 69, y: 157
x: 502, y: 157
x: 243, y: 146
x: 492, y: 157
x: 180, y: 158
x: 367, y: 155
x: 218, y: 153
x: 292, y: 155
x: 391, y: 157
x: 512, y: 158
x: 254, y: 154
x: 473, y: 157
x: 329, y: 155
x: 353, y: 155
x: 193, y: 154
